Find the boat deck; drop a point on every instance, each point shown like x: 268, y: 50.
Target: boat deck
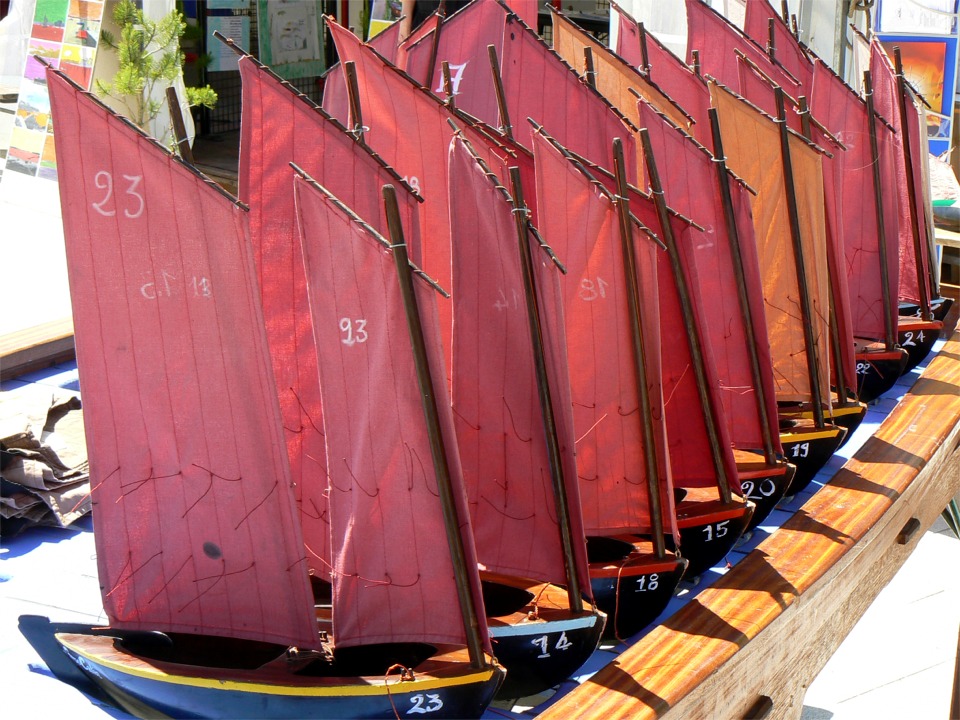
x: 751, y: 636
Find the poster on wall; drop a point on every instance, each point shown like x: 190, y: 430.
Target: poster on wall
x: 930, y: 65
x: 291, y: 37
x: 921, y: 17
x: 231, y: 18
x: 383, y: 13
x: 65, y: 34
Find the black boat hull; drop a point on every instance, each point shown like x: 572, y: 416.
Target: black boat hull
x: 147, y: 689
x: 878, y: 371
x: 709, y: 530
x: 632, y: 587
x: 810, y: 449
x: 765, y: 490
x: 917, y: 338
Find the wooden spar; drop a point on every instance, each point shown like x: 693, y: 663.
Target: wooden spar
x: 452, y: 520
x: 695, y: 54
x: 889, y: 339
x: 448, y: 85
x: 590, y: 72
x: 835, y: 349
x: 710, y: 416
x: 795, y: 26
x: 353, y: 100
x: 644, y: 57
x: 772, y: 39
x: 505, y: 125
x: 911, y: 187
x: 179, y: 129
x: 633, y: 300
x: 769, y: 452
x: 784, y: 11
x: 806, y: 309
x: 522, y: 221
x: 434, y: 48
x: 792, y: 100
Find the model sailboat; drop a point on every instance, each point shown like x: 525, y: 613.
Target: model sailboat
x: 515, y: 431
x: 200, y: 553
x: 414, y: 136
x: 703, y: 266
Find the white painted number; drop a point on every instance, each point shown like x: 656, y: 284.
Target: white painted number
x: 104, y: 181
x: 590, y: 290
x: 502, y: 303
x: 432, y: 700
x: 355, y: 331
x: 543, y: 642
x: 801, y: 450
x: 648, y: 582
x: 863, y: 368
x: 456, y: 75
x: 134, y: 208
x: 165, y: 285
x: 413, y: 181
x: 766, y: 489
x: 720, y: 532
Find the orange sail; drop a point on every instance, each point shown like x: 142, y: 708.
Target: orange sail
x: 752, y: 145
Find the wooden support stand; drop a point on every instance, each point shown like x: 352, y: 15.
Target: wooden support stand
x: 751, y: 644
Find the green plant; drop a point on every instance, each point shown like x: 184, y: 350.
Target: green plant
x: 150, y: 61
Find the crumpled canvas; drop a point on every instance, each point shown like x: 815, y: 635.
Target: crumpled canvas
x: 45, y: 480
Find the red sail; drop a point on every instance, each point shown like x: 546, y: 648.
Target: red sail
x: 786, y: 48
x: 499, y: 421
x: 408, y: 128
x: 278, y: 127
x: 581, y: 224
x: 335, y: 102
x: 886, y: 103
x: 671, y: 75
x: 717, y: 41
x: 688, y: 174
x: 537, y: 84
x: 393, y: 577
x: 845, y: 112
x: 197, y: 529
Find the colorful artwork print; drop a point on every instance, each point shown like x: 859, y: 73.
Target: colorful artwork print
x: 49, y: 19
x: 82, y: 32
x: 24, y: 153
x: 930, y: 65
x: 85, y: 9
x: 35, y: 71
x: 65, y: 35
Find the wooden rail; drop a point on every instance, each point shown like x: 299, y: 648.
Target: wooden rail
x: 36, y: 347
x: 750, y: 644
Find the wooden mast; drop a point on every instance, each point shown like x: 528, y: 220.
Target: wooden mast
x: 911, y: 186
x: 692, y: 331
x: 834, y: 297
x: 505, y: 127
x: 806, y: 309
x: 769, y: 452
x: 521, y: 217
x: 640, y: 369
x: 890, y: 338
x: 452, y: 520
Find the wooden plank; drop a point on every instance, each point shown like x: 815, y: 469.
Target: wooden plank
x: 36, y: 347
x: 767, y: 627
